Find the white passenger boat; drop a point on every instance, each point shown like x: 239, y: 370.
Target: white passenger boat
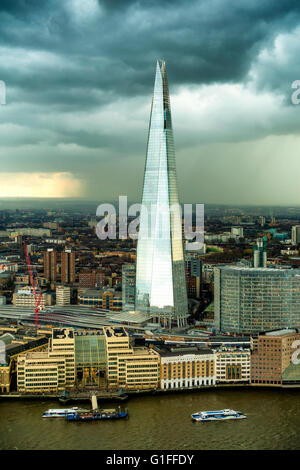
x: 60, y: 412
x: 219, y: 415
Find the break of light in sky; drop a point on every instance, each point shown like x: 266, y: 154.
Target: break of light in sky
x: 79, y: 80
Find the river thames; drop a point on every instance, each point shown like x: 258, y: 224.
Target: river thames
x: 161, y: 422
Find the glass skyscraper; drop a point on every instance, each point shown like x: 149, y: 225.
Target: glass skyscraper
x: 160, y: 274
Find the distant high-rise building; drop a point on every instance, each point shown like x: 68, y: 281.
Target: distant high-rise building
x: 250, y: 300
x: 160, y: 277
x: 296, y: 234
x: 260, y: 254
x: 193, y: 267
x: 67, y: 267
x: 50, y: 264
x: 128, y: 286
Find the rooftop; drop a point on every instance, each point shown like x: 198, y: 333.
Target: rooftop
x: 99, y: 292
x: 250, y: 270
x: 114, y: 332
x: 18, y: 348
x: 282, y: 332
x: 166, y: 351
x: 37, y: 355
x: 142, y: 351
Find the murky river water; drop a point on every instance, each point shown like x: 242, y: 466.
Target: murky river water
x: 162, y: 422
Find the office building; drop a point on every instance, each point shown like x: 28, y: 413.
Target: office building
x: 131, y: 368
x: 296, y: 234
x: 39, y: 373
x: 193, y: 269
x: 193, y: 266
x: 160, y: 272
x: 62, y: 346
x: 128, y: 286
x: 91, y: 279
x: 24, y: 297
x: 186, y: 367
x: 193, y: 287
x: 50, y: 264
x: 260, y: 254
x: 250, y: 300
x: 13, y: 349
x: 68, y: 267
x: 271, y: 361
x: 106, y: 298
x: 233, y: 365
x: 63, y: 295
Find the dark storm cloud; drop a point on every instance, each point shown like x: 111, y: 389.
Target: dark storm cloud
x: 21, y: 7
x: 203, y: 42
x: 65, y: 61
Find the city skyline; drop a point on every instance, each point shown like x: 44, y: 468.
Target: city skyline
x: 77, y: 101
x: 152, y: 281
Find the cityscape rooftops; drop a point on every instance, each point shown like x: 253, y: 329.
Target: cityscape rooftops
x: 99, y: 292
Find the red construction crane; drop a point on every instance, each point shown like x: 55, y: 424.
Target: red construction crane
x: 39, y: 298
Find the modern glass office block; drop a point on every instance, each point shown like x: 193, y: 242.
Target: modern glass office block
x: 160, y: 272
x: 250, y: 300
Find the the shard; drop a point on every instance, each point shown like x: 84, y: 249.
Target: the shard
x: 160, y: 272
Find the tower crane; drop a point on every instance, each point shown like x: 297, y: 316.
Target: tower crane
x: 37, y: 299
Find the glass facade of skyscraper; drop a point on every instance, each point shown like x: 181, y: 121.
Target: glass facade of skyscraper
x: 160, y: 275
x: 253, y: 300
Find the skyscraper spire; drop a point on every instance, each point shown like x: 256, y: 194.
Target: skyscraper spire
x: 160, y: 273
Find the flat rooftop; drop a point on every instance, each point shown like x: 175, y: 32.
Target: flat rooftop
x: 117, y: 332
x: 250, y: 270
x: 166, y: 351
x: 282, y: 332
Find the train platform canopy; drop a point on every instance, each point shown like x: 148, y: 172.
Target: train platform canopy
x: 130, y: 318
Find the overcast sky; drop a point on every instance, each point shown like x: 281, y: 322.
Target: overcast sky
x: 79, y: 78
